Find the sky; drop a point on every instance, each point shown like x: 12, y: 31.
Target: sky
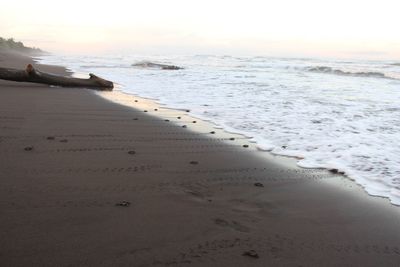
x: 293, y: 28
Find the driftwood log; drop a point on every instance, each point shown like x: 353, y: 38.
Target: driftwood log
x: 32, y: 75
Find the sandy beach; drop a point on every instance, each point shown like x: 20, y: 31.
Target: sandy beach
x: 88, y: 182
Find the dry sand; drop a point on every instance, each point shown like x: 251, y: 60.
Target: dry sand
x: 68, y: 156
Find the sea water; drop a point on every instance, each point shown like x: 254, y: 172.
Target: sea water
x: 334, y: 114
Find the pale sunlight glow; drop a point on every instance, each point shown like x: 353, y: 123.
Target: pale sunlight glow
x: 343, y: 28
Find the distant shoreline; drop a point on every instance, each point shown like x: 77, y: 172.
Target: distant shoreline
x: 16, y: 46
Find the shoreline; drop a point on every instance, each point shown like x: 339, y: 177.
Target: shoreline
x: 127, y: 99
x: 191, y: 198
x: 372, y: 188
x: 290, y: 162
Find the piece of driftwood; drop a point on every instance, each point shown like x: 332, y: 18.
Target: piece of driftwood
x: 30, y: 74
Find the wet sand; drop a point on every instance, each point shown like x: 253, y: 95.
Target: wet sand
x: 87, y: 182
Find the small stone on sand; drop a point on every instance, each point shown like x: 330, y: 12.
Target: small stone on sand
x: 251, y: 253
x: 123, y: 204
x: 336, y: 171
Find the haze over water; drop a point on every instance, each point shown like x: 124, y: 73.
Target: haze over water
x: 289, y: 28
x: 333, y: 114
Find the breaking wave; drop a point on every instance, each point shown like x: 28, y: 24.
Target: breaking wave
x: 148, y: 64
x: 329, y: 70
x: 103, y: 66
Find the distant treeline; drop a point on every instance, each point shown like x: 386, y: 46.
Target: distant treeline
x: 17, y: 46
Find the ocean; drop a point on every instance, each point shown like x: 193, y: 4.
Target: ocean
x: 333, y: 114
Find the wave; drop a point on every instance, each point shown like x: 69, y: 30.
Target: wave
x: 395, y: 64
x: 103, y: 66
x: 324, y: 69
x: 148, y: 64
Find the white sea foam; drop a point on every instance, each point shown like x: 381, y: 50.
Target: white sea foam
x: 347, y: 122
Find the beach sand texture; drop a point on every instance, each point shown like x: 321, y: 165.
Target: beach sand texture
x: 87, y: 182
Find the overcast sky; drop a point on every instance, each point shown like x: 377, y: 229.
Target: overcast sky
x: 340, y: 28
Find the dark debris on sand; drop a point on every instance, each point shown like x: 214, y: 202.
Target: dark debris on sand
x: 251, y: 253
x: 123, y: 204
